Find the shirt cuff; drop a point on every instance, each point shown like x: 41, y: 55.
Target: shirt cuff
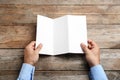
x: 97, y: 73
x: 27, y: 71
x: 27, y: 68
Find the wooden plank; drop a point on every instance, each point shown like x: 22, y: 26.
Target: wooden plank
x: 10, y: 19
x: 63, y: 2
x: 19, y: 36
x: 11, y: 59
x: 16, y: 36
x: 105, y: 35
x: 58, y: 9
x: 12, y: 14
x: 57, y: 75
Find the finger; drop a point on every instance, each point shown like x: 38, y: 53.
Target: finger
x: 84, y: 47
x: 92, y: 43
x: 89, y: 46
x: 32, y: 43
x: 39, y: 47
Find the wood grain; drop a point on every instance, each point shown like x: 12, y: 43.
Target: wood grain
x: 22, y: 14
x: 13, y: 58
x: 62, y: 2
x: 16, y: 36
x: 58, y: 75
x: 59, y: 9
x: 95, y: 19
x: 19, y: 36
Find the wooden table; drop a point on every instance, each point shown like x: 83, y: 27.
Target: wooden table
x: 18, y: 26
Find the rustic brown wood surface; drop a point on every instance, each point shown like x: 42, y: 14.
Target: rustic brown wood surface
x: 18, y: 28
x: 62, y: 2
x: 13, y: 58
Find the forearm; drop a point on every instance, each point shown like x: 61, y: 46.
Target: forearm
x: 27, y: 72
x: 97, y: 73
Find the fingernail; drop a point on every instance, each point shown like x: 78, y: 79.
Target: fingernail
x: 82, y: 43
x: 40, y: 44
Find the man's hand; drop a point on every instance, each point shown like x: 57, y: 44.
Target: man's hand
x: 92, y: 53
x: 31, y: 55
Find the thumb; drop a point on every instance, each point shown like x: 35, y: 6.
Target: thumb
x: 39, y: 47
x: 84, y: 47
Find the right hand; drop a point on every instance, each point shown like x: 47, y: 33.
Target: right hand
x: 92, y: 53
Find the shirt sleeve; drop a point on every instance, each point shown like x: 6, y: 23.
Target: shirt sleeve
x: 97, y: 73
x: 27, y: 72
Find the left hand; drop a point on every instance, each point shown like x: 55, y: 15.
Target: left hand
x: 31, y: 54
